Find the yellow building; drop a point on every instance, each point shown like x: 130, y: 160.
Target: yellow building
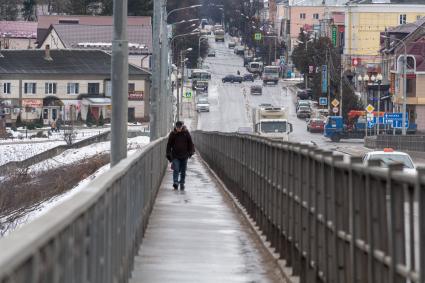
x: 363, y: 25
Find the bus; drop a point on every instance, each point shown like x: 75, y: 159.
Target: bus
x: 271, y: 74
x: 199, y: 74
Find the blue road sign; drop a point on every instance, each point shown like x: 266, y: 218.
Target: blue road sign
x: 395, y: 119
x: 323, y: 101
x: 324, y: 79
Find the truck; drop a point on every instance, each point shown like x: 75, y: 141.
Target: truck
x: 271, y: 122
x: 219, y: 35
x: 271, y: 74
x: 335, y: 129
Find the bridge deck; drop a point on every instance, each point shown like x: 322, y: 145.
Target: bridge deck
x: 198, y: 236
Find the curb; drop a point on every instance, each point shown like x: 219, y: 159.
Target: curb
x: 280, y: 263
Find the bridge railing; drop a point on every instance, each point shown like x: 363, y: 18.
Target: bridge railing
x: 93, y: 236
x: 330, y: 220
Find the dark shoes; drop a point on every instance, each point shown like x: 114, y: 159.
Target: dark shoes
x: 182, y: 187
x: 175, y: 186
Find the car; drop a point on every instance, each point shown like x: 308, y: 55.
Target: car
x: 389, y: 156
x: 200, y: 85
x: 263, y: 105
x: 256, y: 90
x: 304, y: 112
x: 315, y: 125
x: 202, y: 105
x: 231, y: 44
x: 232, y: 79
x: 303, y: 103
x: 305, y: 94
x: 211, y: 53
x: 239, y: 50
x: 248, y: 77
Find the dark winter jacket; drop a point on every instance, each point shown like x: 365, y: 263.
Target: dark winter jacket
x: 180, y: 145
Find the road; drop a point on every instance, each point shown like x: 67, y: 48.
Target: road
x: 231, y: 104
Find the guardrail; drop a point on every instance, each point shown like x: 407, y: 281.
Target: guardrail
x: 331, y: 220
x: 408, y: 142
x: 94, y: 236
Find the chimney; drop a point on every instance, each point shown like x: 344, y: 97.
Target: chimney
x: 47, y: 53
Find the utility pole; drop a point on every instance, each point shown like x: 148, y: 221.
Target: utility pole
x: 119, y: 78
x: 340, y: 89
x: 181, y: 100
x: 156, y: 72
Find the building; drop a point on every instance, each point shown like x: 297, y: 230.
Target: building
x: 364, y: 24
x: 96, y: 32
x: 79, y: 36
x: 18, y: 34
x: 412, y: 36
x: 64, y: 83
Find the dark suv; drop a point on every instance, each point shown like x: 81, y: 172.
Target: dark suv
x: 305, y: 94
x: 232, y: 79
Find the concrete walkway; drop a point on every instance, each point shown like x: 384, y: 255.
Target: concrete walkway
x: 198, y: 236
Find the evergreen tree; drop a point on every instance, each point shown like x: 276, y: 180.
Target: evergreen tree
x: 28, y: 10
x: 8, y: 10
x: 90, y: 119
x: 135, y: 7
x: 19, y: 121
x: 101, y: 121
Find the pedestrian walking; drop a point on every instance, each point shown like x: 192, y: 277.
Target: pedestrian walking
x: 179, y: 149
x: 53, y: 126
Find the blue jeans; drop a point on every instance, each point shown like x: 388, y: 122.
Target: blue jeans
x: 179, y: 166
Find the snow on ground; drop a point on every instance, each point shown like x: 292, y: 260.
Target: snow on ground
x: 20, y: 149
x: 134, y: 145
x: 74, y: 155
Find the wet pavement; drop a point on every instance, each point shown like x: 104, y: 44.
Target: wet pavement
x: 197, y: 235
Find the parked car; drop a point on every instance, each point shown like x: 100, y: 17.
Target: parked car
x: 202, y: 105
x: 200, y: 85
x: 305, y: 94
x: 315, y: 125
x: 211, y: 53
x: 239, y: 50
x: 305, y: 103
x: 303, y: 112
x: 248, y: 77
x: 389, y: 156
x: 256, y: 90
x: 232, y: 79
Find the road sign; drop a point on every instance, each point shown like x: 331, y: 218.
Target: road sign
x: 323, y: 101
x: 324, y: 79
x: 257, y: 36
x: 282, y: 60
x: 335, y: 110
x: 188, y: 94
x: 395, y: 119
x: 334, y: 35
x: 369, y: 117
x: 370, y: 108
x: 335, y: 103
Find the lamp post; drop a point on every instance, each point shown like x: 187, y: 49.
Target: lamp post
x: 404, y: 81
x: 183, y: 60
x: 378, y: 79
x: 363, y: 80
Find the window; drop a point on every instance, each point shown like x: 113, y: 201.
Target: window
x: 131, y: 87
x: 73, y: 88
x: 30, y: 88
x: 6, y: 111
x: 6, y: 88
x: 50, y: 88
x: 316, y: 16
x: 402, y: 19
x: 302, y: 16
x: 93, y: 88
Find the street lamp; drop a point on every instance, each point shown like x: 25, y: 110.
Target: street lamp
x: 404, y: 82
x: 377, y: 79
x: 300, y: 42
x: 183, y: 60
x: 181, y: 9
x: 363, y: 80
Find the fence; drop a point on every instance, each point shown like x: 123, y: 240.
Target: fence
x: 94, y: 236
x: 331, y: 220
x: 408, y: 142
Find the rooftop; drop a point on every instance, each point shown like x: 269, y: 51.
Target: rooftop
x: 18, y: 29
x: 65, y: 61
